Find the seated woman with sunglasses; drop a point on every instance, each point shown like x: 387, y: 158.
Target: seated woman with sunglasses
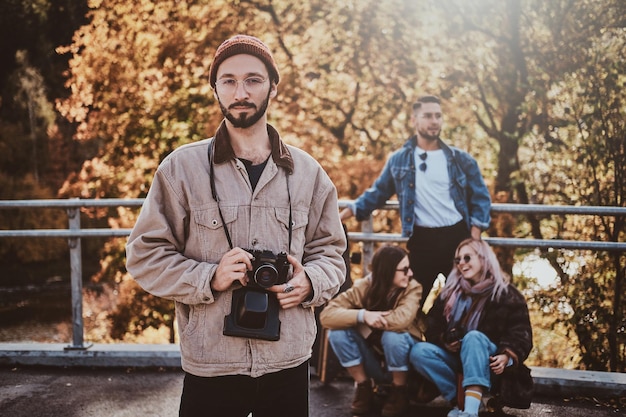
x: 378, y: 315
x: 478, y: 327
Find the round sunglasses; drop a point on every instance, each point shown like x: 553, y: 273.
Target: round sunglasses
x: 465, y: 259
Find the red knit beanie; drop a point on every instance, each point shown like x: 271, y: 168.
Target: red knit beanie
x: 243, y: 44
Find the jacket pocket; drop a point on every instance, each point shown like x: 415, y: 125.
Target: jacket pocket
x: 399, y: 173
x: 202, y: 334
x: 460, y: 179
x: 404, y: 182
x: 299, y: 220
x: 211, y: 234
x: 191, y: 339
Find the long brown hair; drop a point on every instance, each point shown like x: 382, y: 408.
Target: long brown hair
x: 381, y: 295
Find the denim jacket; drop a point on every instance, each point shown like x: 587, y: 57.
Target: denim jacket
x: 467, y: 189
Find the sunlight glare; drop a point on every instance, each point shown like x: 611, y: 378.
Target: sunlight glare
x: 533, y: 266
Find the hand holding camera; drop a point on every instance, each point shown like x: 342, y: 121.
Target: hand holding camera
x: 233, y: 266
x: 255, y: 306
x: 300, y: 286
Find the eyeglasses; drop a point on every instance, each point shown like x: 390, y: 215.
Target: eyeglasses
x: 251, y: 84
x: 406, y: 270
x: 423, y: 157
x: 465, y: 259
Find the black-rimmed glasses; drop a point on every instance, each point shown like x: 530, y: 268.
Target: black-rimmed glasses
x: 406, y: 270
x: 423, y: 157
x: 465, y: 259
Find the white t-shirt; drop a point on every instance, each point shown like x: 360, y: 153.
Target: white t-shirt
x: 434, y: 206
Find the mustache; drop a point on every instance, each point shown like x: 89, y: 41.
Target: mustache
x: 243, y: 104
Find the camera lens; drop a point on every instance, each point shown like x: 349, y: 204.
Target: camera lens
x: 266, y: 275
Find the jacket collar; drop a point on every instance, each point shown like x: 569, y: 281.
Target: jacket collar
x: 411, y: 144
x: 224, y: 150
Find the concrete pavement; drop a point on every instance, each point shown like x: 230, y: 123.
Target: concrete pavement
x: 36, y: 391
x: 548, y: 381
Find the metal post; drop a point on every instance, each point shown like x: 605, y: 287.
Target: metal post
x: 76, y: 266
x: 367, y: 226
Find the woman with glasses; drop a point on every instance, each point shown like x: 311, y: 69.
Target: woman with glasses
x: 376, y: 321
x: 478, y: 327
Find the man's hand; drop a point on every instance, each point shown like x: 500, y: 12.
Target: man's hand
x: 233, y: 266
x: 475, y: 232
x: 298, y: 288
x: 345, y: 214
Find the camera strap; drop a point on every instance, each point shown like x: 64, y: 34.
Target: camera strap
x: 210, y: 155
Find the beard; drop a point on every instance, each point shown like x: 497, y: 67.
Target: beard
x: 245, y: 120
x: 425, y: 135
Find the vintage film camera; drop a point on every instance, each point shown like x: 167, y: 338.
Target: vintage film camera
x: 254, y: 311
x: 268, y: 269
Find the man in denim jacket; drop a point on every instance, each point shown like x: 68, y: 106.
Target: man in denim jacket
x: 443, y: 197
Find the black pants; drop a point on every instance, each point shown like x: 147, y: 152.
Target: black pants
x: 283, y: 393
x: 431, y: 251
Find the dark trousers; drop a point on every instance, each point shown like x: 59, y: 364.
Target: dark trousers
x: 283, y: 393
x: 431, y: 251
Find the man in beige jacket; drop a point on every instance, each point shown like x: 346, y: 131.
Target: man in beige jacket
x: 242, y: 231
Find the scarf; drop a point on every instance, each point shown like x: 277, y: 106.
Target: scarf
x: 466, y: 303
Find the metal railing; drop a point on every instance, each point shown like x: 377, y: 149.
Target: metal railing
x: 367, y: 236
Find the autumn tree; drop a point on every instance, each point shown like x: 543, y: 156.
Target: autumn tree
x: 583, y: 116
x: 35, y: 154
x: 525, y: 56
x: 588, y: 117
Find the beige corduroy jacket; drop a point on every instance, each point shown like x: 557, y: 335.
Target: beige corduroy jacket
x: 179, y: 239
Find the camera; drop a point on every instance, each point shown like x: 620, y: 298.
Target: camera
x: 254, y: 311
x: 267, y: 268
x: 454, y: 334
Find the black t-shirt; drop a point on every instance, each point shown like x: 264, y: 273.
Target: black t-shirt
x: 254, y: 171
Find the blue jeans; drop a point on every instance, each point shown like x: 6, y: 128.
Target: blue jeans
x: 441, y: 366
x: 352, y: 349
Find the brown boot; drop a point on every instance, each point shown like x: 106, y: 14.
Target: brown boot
x: 397, y: 402
x: 363, y: 397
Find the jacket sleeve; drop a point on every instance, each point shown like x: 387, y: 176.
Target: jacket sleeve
x: 341, y: 312
x: 325, y: 243
x: 154, y: 252
x: 478, y: 198
x: 517, y: 336
x: 406, y: 309
x: 378, y: 194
